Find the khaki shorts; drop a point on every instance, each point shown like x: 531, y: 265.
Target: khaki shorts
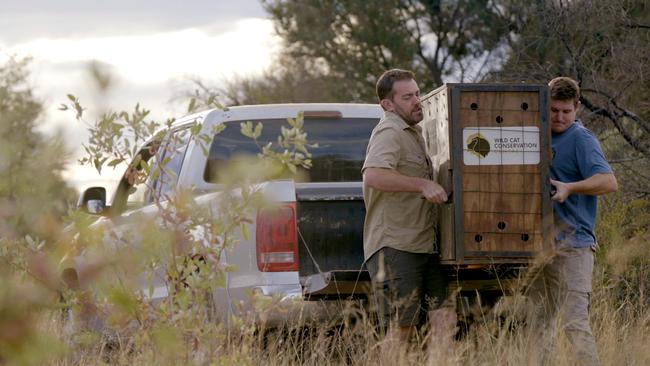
x: 406, y: 285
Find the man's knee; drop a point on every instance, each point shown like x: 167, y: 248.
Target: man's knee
x: 576, y: 313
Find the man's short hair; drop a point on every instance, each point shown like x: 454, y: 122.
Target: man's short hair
x: 564, y: 88
x: 388, y: 78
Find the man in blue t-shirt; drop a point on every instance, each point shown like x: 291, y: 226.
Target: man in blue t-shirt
x: 579, y: 173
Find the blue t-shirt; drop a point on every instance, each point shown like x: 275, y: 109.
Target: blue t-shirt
x: 576, y: 156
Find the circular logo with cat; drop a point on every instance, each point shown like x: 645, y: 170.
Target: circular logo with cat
x: 478, y: 145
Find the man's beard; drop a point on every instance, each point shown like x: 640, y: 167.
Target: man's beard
x: 407, y: 117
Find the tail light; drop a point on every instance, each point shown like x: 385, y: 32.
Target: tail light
x: 277, y: 239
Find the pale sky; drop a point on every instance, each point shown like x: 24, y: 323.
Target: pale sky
x: 151, y: 48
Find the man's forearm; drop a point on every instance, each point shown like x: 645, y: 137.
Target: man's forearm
x: 595, y: 185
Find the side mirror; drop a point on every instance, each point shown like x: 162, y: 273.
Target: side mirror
x: 93, y: 200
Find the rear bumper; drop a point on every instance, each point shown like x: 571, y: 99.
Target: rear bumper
x: 337, y: 285
x: 270, y: 307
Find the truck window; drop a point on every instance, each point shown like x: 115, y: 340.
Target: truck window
x: 172, y: 155
x: 339, y: 156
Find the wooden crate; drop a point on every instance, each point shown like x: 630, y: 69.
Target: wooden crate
x: 490, y: 146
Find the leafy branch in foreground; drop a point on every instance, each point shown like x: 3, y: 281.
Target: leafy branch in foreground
x: 181, y: 245
x: 292, y: 141
x: 115, y: 136
x: 33, y: 198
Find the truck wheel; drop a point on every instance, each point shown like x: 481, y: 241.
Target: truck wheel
x: 475, y: 307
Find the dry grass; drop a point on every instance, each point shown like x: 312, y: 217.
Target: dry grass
x: 622, y: 329
x: 621, y: 341
x: 619, y: 314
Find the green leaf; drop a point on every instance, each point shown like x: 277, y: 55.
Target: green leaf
x: 122, y: 299
x: 115, y: 162
x: 218, y: 128
x: 247, y: 129
x: 145, y: 166
x: 192, y: 106
x: 156, y: 173
x: 166, y: 161
x: 97, y: 164
x: 244, y: 230
x: 195, y: 129
x: 258, y: 130
x: 205, y: 150
x: 79, y: 110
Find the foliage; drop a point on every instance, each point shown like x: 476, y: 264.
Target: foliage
x: 335, y: 49
x: 290, y: 79
x: 33, y: 198
x: 293, y: 143
x: 180, y: 247
x: 603, y: 45
x: 115, y: 136
x: 184, y: 243
x: 32, y: 193
x: 625, y: 251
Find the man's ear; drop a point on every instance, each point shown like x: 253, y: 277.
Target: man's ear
x: 387, y: 105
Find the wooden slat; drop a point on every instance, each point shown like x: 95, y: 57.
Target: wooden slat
x: 496, y: 242
x: 446, y: 229
x: 488, y: 118
x: 495, y: 180
x: 501, y: 202
x: 507, y: 169
x: 500, y: 100
x: 512, y: 223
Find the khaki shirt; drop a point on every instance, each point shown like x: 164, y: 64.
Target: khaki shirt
x: 400, y: 220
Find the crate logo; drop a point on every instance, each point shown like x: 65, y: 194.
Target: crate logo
x: 478, y: 145
x: 515, y: 145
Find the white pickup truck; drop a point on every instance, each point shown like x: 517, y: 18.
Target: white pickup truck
x: 319, y: 255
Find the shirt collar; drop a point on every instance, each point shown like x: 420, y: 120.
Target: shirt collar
x: 399, y: 121
x: 573, y: 126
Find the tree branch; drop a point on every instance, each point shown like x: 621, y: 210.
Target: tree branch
x: 636, y: 26
x: 645, y: 125
x: 625, y: 160
x: 614, y: 117
x: 434, y: 68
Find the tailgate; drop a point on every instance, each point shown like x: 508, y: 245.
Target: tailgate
x: 330, y: 224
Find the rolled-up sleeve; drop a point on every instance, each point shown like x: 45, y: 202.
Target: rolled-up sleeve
x: 383, y: 149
